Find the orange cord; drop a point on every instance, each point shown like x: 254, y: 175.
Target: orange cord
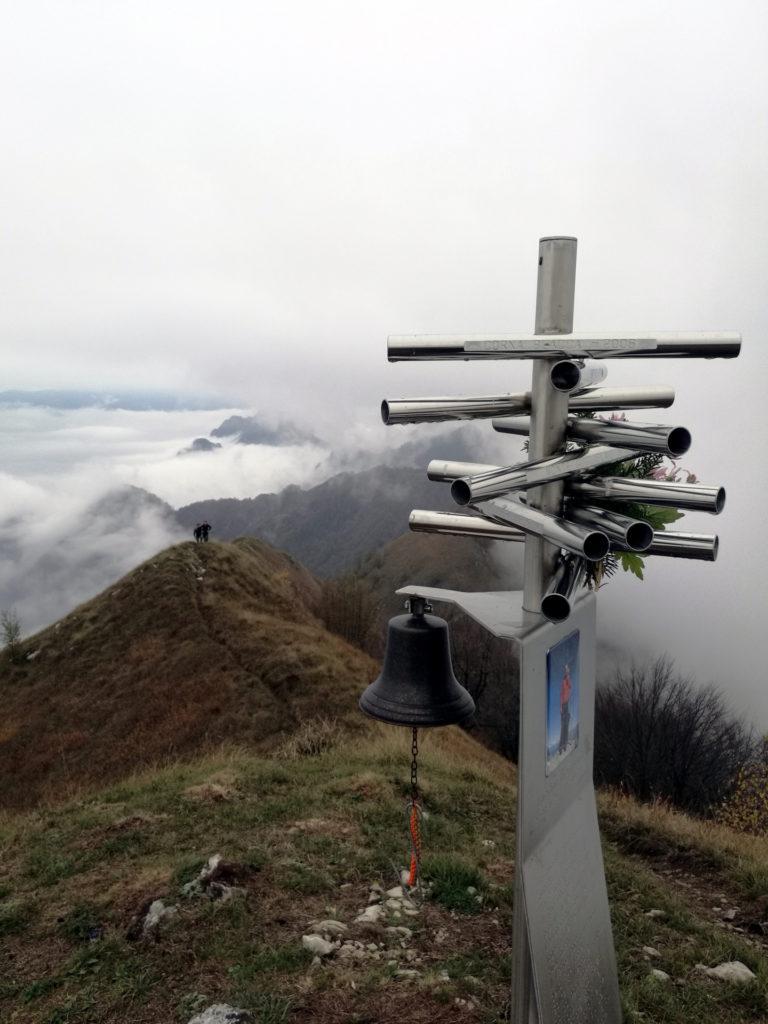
x: 415, y: 844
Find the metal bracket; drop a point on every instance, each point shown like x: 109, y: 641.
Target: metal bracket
x: 499, y: 611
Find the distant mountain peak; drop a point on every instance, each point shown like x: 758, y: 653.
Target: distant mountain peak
x: 200, y: 444
x: 252, y: 430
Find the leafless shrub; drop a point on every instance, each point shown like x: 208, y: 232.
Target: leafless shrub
x: 350, y: 609
x: 10, y: 633
x: 488, y: 668
x: 659, y: 736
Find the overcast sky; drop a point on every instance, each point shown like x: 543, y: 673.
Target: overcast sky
x: 246, y: 198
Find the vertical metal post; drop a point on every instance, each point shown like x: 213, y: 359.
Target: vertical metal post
x: 549, y: 408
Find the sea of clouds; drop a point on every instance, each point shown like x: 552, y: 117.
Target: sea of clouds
x: 70, y: 526
x: 69, y: 523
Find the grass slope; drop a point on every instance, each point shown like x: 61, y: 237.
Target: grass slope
x: 432, y: 560
x: 201, y: 644
x: 309, y: 835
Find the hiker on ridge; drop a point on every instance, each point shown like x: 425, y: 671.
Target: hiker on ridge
x: 205, y: 529
x: 198, y: 533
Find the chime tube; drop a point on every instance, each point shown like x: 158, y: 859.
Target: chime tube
x: 570, y: 375
x: 424, y: 521
x: 444, y: 471
x: 692, y: 497
x: 672, y: 544
x: 590, y: 544
x: 611, y: 399
x: 439, y: 410
x: 513, y: 425
x: 643, y: 345
x: 561, y: 589
x: 533, y: 474
x: 647, y: 437
x: 477, y: 407
x: 636, y: 534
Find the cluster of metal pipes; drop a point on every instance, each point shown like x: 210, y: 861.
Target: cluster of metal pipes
x: 585, y: 515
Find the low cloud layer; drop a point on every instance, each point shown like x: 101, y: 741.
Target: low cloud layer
x: 49, y: 447
x: 72, y: 520
x: 138, y: 401
x: 59, y: 546
x: 67, y: 529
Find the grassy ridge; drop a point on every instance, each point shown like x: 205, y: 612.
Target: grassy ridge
x: 202, y: 644
x: 310, y: 834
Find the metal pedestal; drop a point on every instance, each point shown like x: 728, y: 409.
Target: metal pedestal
x: 563, y: 960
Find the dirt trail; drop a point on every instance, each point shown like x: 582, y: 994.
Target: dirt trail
x: 707, y: 892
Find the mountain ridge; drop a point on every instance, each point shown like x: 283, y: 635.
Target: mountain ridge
x: 198, y: 645
x: 331, y: 526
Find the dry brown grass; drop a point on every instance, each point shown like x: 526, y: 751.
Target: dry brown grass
x: 313, y: 737
x: 681, y: 830
x: 313, y: 832
x: 434, y: 561
x: 451, y: 749
x: 201, y: 645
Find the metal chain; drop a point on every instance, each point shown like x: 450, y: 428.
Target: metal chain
x: 415, y: 766
x: 414, y: 815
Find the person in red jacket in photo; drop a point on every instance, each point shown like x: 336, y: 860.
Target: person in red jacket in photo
x: 565, y: 709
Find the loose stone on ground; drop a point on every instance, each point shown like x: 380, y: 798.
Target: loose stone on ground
x: 221, y: 1013
x: 157, y: 913
x: 733, y: 971
x: 318, y: 945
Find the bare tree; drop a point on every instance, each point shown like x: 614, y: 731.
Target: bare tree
x: 349, y: 608
x: 660, y: 736
x: 10, y: 631
x: 488, y: 667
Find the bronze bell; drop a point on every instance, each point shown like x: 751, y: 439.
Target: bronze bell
x: 417, y: 686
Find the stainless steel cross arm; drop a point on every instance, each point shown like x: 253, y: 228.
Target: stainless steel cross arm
x: 640, y: 344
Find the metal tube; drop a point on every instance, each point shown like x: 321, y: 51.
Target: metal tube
x: 438, y: 410
x: 477, y: 407
x: 647, y: 437
x: 702, y: 546
x: 650, y: 492
x: 443, y: 471
x: 610, y: 399
x: 636, y: 534
x: 591, y: 544
x: 570, y: 375
x: 524, y: 476
x: 619, y: 345
x: 555, y: 289
x: 513, y: 425
x: 562, y: 587
x: 424, y: 521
